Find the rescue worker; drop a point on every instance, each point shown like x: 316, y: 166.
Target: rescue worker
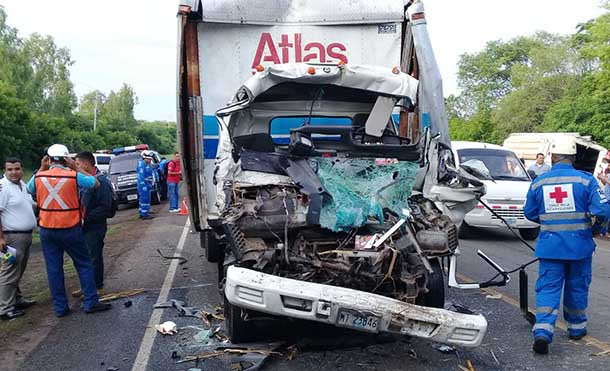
x: 146, y: 179
x: 98, y: 207
x: 56, y: 189
x: 562, y: 201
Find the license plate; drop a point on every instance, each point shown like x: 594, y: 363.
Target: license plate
x: 132, y: 197
x: 358, y: 321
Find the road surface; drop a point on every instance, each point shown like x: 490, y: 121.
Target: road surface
x: 124, y: 338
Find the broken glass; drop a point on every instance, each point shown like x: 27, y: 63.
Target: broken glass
x: 362, y: 188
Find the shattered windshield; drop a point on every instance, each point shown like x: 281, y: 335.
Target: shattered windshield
x: 503, y: 165
x: 362, y: 188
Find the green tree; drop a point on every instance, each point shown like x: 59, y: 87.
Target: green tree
x: 118, y: 109
x: 14, y: 118
x: 50, y: 88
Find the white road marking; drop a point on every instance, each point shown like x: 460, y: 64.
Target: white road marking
x: 149, y: 336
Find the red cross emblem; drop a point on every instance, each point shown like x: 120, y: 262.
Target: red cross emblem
x: 559, y: 195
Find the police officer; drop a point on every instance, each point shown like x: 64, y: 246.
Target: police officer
x: 56, y: 188
x: 146, y: 179
x: 562, y: 201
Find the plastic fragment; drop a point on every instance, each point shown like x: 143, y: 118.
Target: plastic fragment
x: 167, y: 328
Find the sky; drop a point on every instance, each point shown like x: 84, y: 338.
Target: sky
x: 117, y: 41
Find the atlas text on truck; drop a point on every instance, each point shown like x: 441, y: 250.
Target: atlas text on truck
x: 318, y: 163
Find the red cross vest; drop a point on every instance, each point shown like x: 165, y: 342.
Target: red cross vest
x: 57, y: 198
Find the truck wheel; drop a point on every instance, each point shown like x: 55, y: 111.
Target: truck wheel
x: 155, y: 199
x: 465, y: 231
x: 529, y: 234
x: 435, y: 297
x: 238, y: 330
x: 213, y: 249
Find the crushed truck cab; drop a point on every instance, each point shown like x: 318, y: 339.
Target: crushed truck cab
x: 323, y: 183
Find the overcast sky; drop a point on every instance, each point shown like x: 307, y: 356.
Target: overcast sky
x: 116, y: 41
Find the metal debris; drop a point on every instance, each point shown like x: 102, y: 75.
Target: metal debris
x: 444, y: 348
x: 182, y: 259
x: 180, y: 306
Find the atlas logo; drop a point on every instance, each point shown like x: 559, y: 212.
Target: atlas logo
x: 292, y: 49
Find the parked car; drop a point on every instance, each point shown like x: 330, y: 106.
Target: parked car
x: 124, y: 177
x: 102, y: 161
x: 505, y: 194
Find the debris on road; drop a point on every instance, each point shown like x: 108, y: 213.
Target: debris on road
x: 182, y: 259
x: 203, y: 336
x: 495, y: 358
x: 444, y: 348
x: 602, y: 353
x: 128, y: 303
x: 226, y: 351
x: 167, y: 328
x: 494, y: 296
x: 181, y: 307
x: 121, y: 295
x: 207, y: 317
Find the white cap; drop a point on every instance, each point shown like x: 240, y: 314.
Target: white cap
x: 147, y: 154
x: 58, y: 150
x: 564, y: 146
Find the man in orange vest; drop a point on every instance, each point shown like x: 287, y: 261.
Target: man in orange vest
x: 56, y: 188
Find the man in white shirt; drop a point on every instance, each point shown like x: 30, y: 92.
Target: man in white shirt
x: 540, y: 167
x: 17, y: 220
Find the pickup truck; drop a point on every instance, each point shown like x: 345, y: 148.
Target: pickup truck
x: 318, y: 163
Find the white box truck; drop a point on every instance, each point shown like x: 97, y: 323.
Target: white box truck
x: 318, y: 165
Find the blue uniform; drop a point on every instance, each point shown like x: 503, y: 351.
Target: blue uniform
x: 563, y: 201
x: 146, y: 178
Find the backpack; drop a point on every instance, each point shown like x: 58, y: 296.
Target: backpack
x: 166, y: 168
x: 114, y: 204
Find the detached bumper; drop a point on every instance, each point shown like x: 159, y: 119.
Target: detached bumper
x: 270, y: 294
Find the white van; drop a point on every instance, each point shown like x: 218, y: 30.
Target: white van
x: 589, y: 155
x: 102, y: 161
x: 505, y: 195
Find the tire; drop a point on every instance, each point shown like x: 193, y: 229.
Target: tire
x: 435, y: 297
x: 529, y: 234
x: 155, y: 199
x: 238, y: 330
x: 213, y: 249
x: 465, y: 231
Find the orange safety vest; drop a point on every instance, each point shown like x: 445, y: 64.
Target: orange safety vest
x: 57, y: 198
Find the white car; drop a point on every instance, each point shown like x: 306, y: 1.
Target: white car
x: 102, y: 161
x: 505, y: 194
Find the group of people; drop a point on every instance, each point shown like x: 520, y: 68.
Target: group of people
x: 73, y: 199
x: 148, y: 177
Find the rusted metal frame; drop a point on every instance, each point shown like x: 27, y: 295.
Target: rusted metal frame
x: 190, y: 118
x: 409, y: 120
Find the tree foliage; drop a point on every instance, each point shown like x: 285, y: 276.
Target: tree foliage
x: 38, y: 106
x: 542, y: 82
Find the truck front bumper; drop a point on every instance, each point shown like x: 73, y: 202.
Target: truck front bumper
x: 249, y: 289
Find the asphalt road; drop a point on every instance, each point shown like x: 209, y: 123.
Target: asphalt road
x: 121, y: 339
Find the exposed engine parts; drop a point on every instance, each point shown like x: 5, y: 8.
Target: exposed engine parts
x: 266, y: 230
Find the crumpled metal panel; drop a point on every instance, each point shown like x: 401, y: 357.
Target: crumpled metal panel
x: 310, y: 12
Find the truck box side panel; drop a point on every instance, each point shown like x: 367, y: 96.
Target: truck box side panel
x: 312, y: 12
x: 229, y: 54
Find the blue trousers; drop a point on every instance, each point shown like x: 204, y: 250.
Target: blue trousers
x: 574, y: 278
x: 173, y: 192
x: 72, y: 241
x: 94, y: 235
x: 144, y: 198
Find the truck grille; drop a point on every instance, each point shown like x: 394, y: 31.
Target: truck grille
x: 508, y: 213
x: 452, y: 237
